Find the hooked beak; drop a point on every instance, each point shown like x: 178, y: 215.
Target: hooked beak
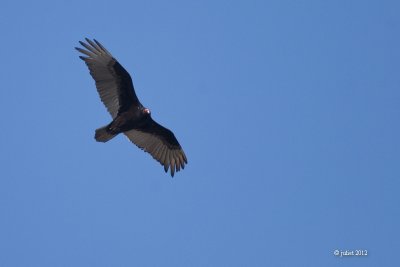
x: 146, y: 110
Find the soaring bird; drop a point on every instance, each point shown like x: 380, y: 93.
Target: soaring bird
x: 129, y: 116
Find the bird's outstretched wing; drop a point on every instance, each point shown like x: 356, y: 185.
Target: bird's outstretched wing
x: 161, y: 144
x: 113, y: 82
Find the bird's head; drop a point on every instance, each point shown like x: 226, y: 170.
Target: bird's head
x: 146, y: 111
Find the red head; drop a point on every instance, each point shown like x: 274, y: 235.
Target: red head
x: 146, y: 111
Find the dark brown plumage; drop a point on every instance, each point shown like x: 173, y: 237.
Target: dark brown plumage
x: 115, y: 87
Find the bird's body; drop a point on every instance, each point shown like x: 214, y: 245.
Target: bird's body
x: 128, y: 120
x: 130, y: 117
x: 125, y: 121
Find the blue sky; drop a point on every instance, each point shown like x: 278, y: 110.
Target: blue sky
x: 288, y: 112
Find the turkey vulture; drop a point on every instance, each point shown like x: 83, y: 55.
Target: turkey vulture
x: 115, y: 87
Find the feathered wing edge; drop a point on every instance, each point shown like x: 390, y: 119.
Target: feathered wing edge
x: 100, y: 61
x: 113, y: 82
x: 170, y: 156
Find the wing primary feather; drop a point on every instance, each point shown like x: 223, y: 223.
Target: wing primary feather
x: 165, y: 159
x: 172, y: 167
x: 85, y: 52
x: 93, y: 44
x: 166, y: 168
x: 88, y: 47
x: 178, y: 162
x: 102, y: 47
x: 181, y: 160
x: 167, y: 156
x: 175, y: 160
x: 184, y: 156
x: 163, y: 156
x: 158, y: 153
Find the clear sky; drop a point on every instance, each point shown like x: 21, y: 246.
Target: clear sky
x: 288, y: 112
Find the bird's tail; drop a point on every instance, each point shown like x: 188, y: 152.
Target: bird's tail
x: 103, y: 135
